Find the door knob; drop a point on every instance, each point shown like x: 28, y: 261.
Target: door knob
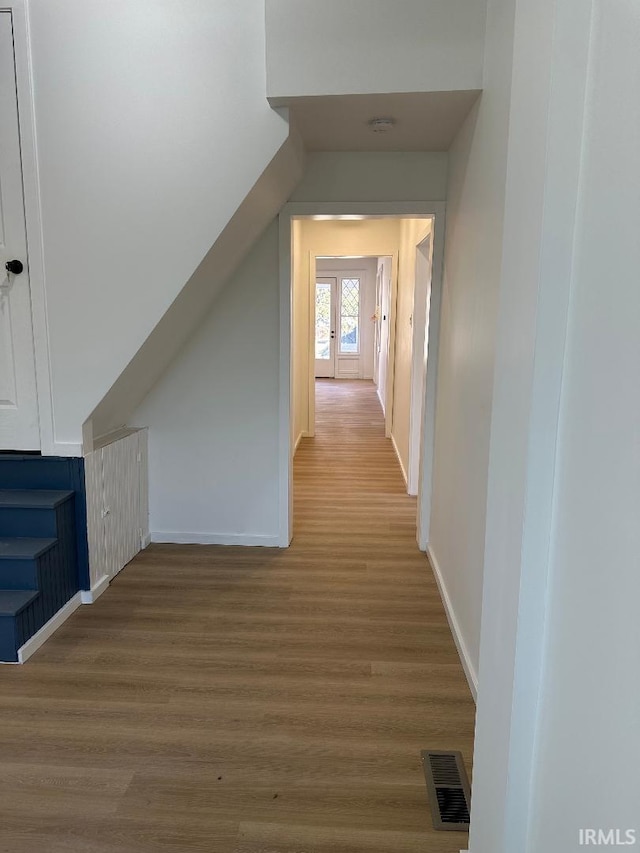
x: 14, y: 267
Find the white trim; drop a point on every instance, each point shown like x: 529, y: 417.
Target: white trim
x: 395, y: 447
x: 90, y: 595
x: 421, y: 316
x: 145, y: 541
x: 33, y: 643
x: 107, y: 438
x: 183, y: 537
x: 428, y: 440
x: 390, y: 387
x: 311, y: 341
x: 285, y: 394
x: 303, y: 434
x: 63, y: 448
x: 33, y: 221
x: 463, y: 652
x: 380, y: 399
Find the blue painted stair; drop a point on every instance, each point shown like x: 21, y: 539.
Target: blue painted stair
x: 38, y: 562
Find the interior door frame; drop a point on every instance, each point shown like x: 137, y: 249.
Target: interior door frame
x: 33, y: 222
x: 377, y: 334
x: 419, y: 362
x: 302, y: 210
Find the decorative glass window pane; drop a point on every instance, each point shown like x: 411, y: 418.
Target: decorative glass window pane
x: 349, y: 335
x: 323, y: 320
x: 350, y: 315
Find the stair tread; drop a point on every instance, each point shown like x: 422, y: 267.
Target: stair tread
x: 24, y: 548
x: 12, y: 601
x: 33, y: 498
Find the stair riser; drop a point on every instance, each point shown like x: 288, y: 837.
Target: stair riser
x: 28, y: 522
x: 57, y: 582
x: 8, y: 642
x: 18, y: 574
x: 57, y: 574
x: 53, y: 472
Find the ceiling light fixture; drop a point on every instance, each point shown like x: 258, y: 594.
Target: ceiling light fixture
x: 381, y: 125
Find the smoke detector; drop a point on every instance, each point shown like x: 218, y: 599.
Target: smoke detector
x: 381, y: 125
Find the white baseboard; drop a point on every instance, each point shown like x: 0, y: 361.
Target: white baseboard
x: 146, y: 541
x: 182, y: 537
x: 303, y: 434
x: 90, y: 595
x: 33, y: 643
x: 381, y: 401
x: 63, y: 448
x: 395, y: 447
x: 463, y: 652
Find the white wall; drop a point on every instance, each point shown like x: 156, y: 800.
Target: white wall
x: 589, y: 739
x: 195, y: 299
x: 338, y: 48
x: 471, y: 277
x: 152, y: 127
x: 372, y: 176
x: 556, y: 732
x: 213, y: 417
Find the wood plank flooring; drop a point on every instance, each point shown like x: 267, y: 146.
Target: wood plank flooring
x: 248, y: 700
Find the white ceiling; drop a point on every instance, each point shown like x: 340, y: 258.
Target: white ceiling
x: 424, y: 121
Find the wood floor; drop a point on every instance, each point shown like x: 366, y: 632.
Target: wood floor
x: 248, y: 700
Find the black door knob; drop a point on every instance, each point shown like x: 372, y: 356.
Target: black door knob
x: 14, y: 267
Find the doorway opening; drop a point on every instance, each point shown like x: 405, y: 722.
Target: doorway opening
x: 344, y: 304
x: 360, y: 295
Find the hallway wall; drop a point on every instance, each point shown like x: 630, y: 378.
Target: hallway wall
x: 373, y: 176
x: 471, y: 277
x: 590, y: 692
x: 213, y: 418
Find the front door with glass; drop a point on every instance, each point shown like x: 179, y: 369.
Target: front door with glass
x: 338, y: 308
x: 325, y: 328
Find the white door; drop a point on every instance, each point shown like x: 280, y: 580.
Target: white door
x: 19, y: 428
x: 325, y: 327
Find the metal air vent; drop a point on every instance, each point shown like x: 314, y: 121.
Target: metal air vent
x: 448, y: 789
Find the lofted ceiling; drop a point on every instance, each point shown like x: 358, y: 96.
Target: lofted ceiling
x: 424, y: 121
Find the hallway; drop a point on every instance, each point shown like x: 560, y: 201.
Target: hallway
x: 248, y: 700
